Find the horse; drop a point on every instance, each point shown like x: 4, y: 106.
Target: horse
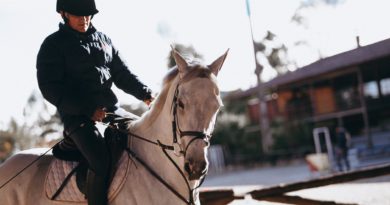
x: 167, y: 145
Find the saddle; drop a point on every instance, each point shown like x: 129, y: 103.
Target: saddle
x: 115, y: 138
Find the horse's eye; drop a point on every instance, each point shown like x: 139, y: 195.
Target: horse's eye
x: 181, y: 104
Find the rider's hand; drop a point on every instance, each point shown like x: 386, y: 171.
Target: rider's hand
x: 99, y: 115
x: 148, y: 101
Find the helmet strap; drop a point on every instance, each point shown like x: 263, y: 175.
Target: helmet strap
x: 66, y: 20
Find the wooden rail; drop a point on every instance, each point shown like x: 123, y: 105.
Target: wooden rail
x: 299, y: 200
x: 333, y: 179
x: 218, y: 197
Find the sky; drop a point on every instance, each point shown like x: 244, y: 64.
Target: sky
x: 144, y: 30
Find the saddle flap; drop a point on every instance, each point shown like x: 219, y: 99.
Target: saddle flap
x: 60, y: 169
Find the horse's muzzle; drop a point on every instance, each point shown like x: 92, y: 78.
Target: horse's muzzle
x: 196, y: 170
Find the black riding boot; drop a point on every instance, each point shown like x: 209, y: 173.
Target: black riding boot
x: 96, y: 189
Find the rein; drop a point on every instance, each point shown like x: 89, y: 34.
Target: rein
x: 27, y: 166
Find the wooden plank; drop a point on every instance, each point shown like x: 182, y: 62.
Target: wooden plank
x: 299, y: 200
x: 334, y: 179
x: 216, y: 197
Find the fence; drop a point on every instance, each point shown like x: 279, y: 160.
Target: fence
x: 277, y: 193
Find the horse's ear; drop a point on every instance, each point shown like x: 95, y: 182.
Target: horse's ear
x: 217, y: 64
x: 180, y: 62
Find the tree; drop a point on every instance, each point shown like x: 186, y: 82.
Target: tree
x: 42, y: 118
x: 39, y: 127
x: 7, y: 145
x: 275, y: 51
x: 301, y: 20
x: 22, y: 135
x: 188, y: 52
x: 232, y: 131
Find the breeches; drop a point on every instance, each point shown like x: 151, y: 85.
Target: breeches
x: 92, y: 146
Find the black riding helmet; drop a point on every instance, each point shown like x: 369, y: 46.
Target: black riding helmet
x: 77, y: 7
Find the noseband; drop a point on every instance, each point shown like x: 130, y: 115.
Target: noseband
x: 197, y: 135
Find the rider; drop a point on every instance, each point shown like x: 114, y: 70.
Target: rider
x: 76, y: 67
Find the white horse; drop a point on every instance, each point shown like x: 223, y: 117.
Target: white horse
x: 182, y: 116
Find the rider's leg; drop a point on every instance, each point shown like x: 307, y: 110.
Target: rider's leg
x: 92, y: 145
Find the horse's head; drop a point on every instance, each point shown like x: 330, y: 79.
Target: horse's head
x: 195, y: 107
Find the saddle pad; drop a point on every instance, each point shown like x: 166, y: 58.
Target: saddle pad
x: 59, y: 169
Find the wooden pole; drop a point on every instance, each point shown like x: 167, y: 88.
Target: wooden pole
x: 266, y: 137
x: 299, y: 200
x: 367, y: 130
x: 334, y: 179
x: 217, y: 197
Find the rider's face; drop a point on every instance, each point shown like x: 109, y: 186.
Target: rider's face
x: 78, y: 23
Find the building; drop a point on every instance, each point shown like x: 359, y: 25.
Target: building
x: 351, y: 89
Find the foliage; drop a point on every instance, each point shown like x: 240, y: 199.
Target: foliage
x: 235, y: 106
x: 314, y: 3
x: 38, y: 128
x: 291, y: 136
x: 22, y: 135
x: 240, y: 146
x: 300, y: 19
x: 185, y: 51
x: 7, y: 145
x: 275, y: 51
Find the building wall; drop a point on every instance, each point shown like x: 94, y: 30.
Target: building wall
x: 323, y: 100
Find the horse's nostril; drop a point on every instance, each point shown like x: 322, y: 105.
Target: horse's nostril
x: 187, y: 167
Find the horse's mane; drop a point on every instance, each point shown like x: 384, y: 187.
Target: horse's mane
x: 195, y: 71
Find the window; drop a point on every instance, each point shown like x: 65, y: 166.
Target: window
x: 385, y: 86
x: 371, y: 90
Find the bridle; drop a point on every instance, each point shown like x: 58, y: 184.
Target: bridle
x: 176, y: 148
x: 197, y: 135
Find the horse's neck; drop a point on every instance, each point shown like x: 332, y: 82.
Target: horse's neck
x: 157, y: 126
x: 160, y: 128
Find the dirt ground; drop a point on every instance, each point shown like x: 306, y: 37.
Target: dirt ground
x: 370, y: 191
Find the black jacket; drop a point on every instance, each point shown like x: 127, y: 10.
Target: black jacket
x: 75, y: 72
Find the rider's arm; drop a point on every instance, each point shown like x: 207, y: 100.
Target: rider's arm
x: 126, y: 80
x: 51, y: 81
